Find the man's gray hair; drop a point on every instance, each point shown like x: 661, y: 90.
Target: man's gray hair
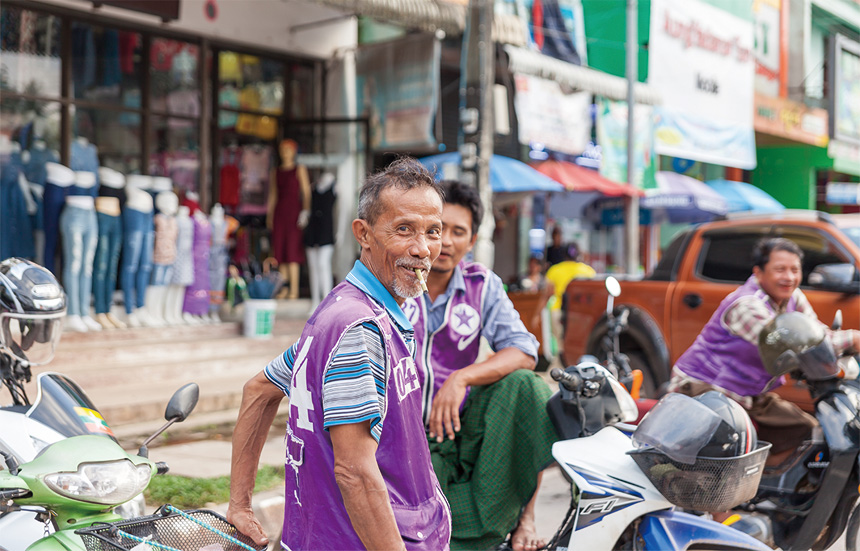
x: 404, y: 174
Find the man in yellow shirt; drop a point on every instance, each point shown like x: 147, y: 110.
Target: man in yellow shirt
x: 560, y: 275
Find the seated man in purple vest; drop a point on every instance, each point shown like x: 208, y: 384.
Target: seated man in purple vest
x: 489, y: 432
x: 358, y: 470
x: 725, y: 355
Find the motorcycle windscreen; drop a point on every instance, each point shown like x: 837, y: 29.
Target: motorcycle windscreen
x: 63, y: 406
x: 819, y: 362
x: 678, y: 426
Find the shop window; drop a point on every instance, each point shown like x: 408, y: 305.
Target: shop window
x: 106, y: 65
x: 31, y: 123
x: 29, y: 53
x: 176, y: 152
x: 302, y: 89
x: 250, y: 94
x: 173, y: 75
x: 115, y: 134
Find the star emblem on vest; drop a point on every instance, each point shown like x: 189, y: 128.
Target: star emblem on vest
x: 465, y: 321
x: 410, y: 310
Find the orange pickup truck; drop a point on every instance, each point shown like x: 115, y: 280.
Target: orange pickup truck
x: 702, y: 265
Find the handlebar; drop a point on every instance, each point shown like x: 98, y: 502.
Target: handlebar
x: 161, y: 468
x: 570, y: 381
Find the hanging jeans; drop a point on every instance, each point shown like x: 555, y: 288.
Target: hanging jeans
x: 138, y: 237
x: 80, y: 232
x: 52, y: 204
x: 107, y: 259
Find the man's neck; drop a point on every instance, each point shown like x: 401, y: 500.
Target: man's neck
x: 437, y: 283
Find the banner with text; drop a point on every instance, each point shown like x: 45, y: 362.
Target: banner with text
x: 701, y: 61
x: 546, y: 115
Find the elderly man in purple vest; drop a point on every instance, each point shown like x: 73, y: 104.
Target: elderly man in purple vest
x: 489, y: 432
x: 358, y: 470
x: 725, y: 355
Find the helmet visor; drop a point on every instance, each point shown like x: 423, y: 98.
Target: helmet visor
x: 678, y: 426
x: 819, y: 362
x: 31, y: 339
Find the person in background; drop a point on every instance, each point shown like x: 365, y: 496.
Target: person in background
x: 555, y: 253
x: 560, y: 275
x: 358, y: 469
x: 488, y: 429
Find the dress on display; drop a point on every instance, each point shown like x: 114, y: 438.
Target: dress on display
x: 228, y: 194
x: 197, y: 294
x: 320, y: 228
x: 183, y: 267
x: 286, y: 234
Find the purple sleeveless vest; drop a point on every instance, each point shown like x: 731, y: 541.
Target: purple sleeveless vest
x: 716, y: 354
x: 314, y: 515
x: 457, y: 342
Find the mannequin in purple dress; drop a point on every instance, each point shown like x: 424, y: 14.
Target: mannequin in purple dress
x: 196, y: 304
x: 289, y: 210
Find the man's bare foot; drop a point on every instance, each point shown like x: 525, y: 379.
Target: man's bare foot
x: 525, y: 537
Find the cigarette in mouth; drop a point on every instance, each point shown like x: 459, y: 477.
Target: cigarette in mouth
x: 421, y: 280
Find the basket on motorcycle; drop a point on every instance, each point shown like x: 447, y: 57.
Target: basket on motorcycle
x: 185, y: 531
x: 711, y: 484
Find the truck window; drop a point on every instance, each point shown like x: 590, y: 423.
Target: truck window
x: 727, y: 254
x: 667, y: 268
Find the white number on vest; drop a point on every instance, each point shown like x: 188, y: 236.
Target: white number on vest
x: 300, y: 395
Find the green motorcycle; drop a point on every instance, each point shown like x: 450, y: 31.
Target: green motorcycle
x: 73, y: 485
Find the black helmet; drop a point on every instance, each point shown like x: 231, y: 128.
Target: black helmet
x: 32, y: 306
x: 685, y: 429
x: 796, y: 341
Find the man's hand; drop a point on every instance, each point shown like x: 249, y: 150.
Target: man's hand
x: 244, y: 520
x: 445, y: 410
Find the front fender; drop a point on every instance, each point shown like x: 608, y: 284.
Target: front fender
x: 678, y: 531
x: 65, y: 540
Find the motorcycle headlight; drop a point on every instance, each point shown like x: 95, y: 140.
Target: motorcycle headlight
x: 109, y: 483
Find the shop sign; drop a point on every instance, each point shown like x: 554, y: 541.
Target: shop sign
x: 701, y: 62
x: 546, y: 115
x: 790, y: 119
x: 397, y: 88
x: 845, y: 87
x: 843, y: 193
x: 612, y: 137
x: 766, y: 46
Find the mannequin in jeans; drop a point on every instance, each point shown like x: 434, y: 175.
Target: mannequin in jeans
x: 319, y: 238
x: 108, y: 213
x: 58, y: 182
x: 35, y: 162
x: 163, y: 255
x: 196, y: 305
x: 137, y: 241
x: 218, y: 260
x: 80, y: 233
x: 183, y: 268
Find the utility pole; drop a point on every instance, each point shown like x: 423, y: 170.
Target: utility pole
x: 477, y: 77
x: 632, y: 218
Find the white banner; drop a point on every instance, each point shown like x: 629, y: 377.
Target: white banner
x: 546, y: 115
x: 701, y: 61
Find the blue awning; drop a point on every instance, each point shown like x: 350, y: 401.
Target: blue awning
x: 506, y: 174
x: 741, y: 196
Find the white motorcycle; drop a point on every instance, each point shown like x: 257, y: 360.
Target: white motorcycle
x: 624, y: 500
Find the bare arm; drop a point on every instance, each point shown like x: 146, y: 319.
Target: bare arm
x: 362, y: 486
x: 445, y: 411
x: 260, y: 401
x: 304, y: 187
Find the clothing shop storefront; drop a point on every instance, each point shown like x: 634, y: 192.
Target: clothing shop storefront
x: 199, y: 92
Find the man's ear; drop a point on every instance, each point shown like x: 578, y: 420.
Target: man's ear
x: 361, y: 231
x: 756, y: 271
x: 473, y: 240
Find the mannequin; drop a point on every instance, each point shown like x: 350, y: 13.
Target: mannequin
x: 196, y: 304
x: 137, y: 249
x: 218, y: 260
x: 79, y: 231
x: 289, y: 192
x: 183, y: 267
x: 85, y: 157
x: 58, y: 180
x: 163, y: 255
x: 35, y: 170
x: 160, y: 184
x: 109, y: 205
x: 319, y: 238
x: 16, y: 204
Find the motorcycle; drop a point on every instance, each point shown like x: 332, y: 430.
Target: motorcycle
x: 810, y: 500
x: 615, y: 504
x: 73, y: 484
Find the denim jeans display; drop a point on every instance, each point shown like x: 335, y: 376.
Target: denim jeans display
x: 80, y: 233
x: 53, y: 201
x: 161, y: 274
x: 137, y: 239
x: 16, y: 226
x: 85, y: 158
x: 107, y: 260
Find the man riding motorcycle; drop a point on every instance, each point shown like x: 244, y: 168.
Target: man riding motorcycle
x: 725, y: 355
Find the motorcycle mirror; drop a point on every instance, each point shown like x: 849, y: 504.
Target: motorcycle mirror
x: 837, y: 321
x: 182, y: 403
x: 612, y: 286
